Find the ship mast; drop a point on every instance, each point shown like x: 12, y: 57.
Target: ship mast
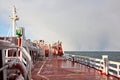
x: 14, y: 18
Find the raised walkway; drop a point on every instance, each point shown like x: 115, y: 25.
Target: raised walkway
x: 59, y: 69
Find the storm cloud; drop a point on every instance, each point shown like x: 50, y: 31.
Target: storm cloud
x: 79, y: 24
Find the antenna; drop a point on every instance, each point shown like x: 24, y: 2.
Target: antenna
x: 14, y: 18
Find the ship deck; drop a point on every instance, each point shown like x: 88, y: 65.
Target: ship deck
x: 55, y: 68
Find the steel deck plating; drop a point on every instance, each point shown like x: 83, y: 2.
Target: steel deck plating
x: 58, y: 69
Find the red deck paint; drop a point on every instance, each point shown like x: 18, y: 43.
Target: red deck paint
x: 58, y: 69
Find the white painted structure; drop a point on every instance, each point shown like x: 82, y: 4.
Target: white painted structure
x: 14, y: 18
x: 104, y: 65
x: 16, y: 59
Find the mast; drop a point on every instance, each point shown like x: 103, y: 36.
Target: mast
x: 14, y: 18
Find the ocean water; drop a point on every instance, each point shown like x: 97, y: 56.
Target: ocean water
x: 112, y: 55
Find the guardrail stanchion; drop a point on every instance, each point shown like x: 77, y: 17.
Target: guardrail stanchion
x: 105, y: 64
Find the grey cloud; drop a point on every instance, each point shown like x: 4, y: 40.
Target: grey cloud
x: 80, y: 24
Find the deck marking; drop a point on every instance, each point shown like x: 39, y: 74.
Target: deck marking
x: 38, y: 73
x: 43, y: 77
x: 41, y: 67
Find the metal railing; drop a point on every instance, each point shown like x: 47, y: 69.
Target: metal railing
x: 8, y: 65
x: 104, y: 65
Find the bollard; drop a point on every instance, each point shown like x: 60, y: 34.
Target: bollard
x: 105, y: 64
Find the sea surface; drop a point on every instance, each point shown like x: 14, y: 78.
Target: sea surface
x: 112, y: 55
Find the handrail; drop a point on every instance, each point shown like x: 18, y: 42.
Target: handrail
x: 26, y: 53
x: 9, y: 64
x: 27, y: 57
x: 24, y: 61
x: 99, y: 64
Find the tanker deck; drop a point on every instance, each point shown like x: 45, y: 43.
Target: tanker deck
x: 56, y: 68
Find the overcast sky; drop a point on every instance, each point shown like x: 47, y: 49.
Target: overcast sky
x: 79, y: 24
